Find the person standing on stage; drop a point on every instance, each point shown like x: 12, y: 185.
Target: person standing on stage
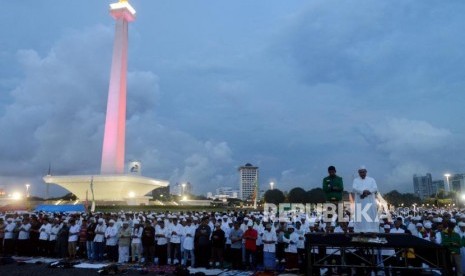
x: 365, y: 189
x: 333, y: 187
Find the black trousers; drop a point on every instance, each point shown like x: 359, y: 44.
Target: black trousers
x: 23, y: 247
x: 236, y: 255
x: 202, y: 255
x: 9, y: 247
x: 175, y: 252
x: 112, y: 253
x: 162, y: 253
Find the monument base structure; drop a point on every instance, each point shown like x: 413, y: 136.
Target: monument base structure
x: 128, y: 188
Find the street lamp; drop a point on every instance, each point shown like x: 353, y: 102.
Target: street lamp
x: 271, y: 185
x: 183, y: 188
x: 27, y: 190
x: 447, y: 175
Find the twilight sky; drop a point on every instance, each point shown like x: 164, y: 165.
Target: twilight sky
x: 289, y: 86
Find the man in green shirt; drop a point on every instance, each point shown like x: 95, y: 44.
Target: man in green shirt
x: 452, y: 241
x: 333, y: 187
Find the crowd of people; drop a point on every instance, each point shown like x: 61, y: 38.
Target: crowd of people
x: 245, y: 240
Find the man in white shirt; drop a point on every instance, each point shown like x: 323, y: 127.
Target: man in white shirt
x: 188, y: 244
x: 292, y: 259
x: 52, y: 241
x: 23, y: 237
x: 136, y: 244
x: 99, y: 240
x: 73, y: 238
x: 269, y: 240
x: 365, y: 190
x: 111, y: 235
x: 44, y: 235
x: 175, y: 234
x: 9, y: 242
x: 161, y: 233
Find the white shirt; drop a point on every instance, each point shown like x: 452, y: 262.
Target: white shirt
x: 111, y: 234
x: 136, y: 234
x: 188, y: 243
x: 292, y: 241
x: 162, y: 231
x: 24, y: 231
x: 9, y: 234
x: 54, y: 231
x: 301, y: 241
x: 267, y: 237
x: 100, y: 228
x: 73, y: 233
x: 178, y: 229
x: 44, y: 231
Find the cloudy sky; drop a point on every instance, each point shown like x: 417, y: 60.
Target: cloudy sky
x: 289, y: 86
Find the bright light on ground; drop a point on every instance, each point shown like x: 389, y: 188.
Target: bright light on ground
x: 132, y: 194
x: 463, y: 197
x: 184, y: 198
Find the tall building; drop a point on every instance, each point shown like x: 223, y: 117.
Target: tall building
x: 248, y: 182
x: 457, y: 183
x: 423, y: 185
x: 181, y: 189
x: 438, y: 185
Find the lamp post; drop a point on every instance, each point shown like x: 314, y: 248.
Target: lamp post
x: 27, y: 190
x: 271, y: 185
x: 183, y: 188
x: 447, y: 175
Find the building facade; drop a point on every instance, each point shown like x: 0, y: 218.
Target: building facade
x: 248, y: 181
x: 457, y: 183
x: 423, y: 185
x: 181, y: 189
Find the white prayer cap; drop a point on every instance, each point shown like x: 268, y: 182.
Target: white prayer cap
x: 462, y: 216
x: 111, y: 221
x: 419, y: 225
x: 453, y: 221
x: 387, y: 226
x: 10, y: 219
x: 126, y: 222
x: 428, y: 225
x: 250, y: 224
x: 462, y: 224
x: 290, y: 226
x: 362, y: 167
x: 383, y: 217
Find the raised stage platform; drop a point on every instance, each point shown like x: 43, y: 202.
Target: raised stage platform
x: 400, y: 253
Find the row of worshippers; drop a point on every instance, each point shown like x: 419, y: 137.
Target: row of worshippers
x: 443, y: 228
x: 161, y: 238
x: 245, y: 240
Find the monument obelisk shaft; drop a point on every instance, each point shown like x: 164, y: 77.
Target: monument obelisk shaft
x: 115, y: 122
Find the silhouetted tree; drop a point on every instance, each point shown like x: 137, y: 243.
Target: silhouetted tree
x: 274, y: 196
x: 316, y: 195
x: 296, y: 195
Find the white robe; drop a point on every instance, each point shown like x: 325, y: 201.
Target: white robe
x: 363, y: 224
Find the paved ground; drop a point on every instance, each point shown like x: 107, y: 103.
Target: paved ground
x: 40, y: 267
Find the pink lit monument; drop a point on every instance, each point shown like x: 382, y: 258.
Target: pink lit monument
x: 115, y: 125
x: 113, y: 184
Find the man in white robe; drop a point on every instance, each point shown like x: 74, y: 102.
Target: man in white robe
x: 366, y: 209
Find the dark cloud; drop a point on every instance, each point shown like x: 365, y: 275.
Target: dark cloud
x: 290, y: 87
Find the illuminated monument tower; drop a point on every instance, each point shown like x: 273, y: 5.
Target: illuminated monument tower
x: 112, y: 184
x: 115, y: 125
